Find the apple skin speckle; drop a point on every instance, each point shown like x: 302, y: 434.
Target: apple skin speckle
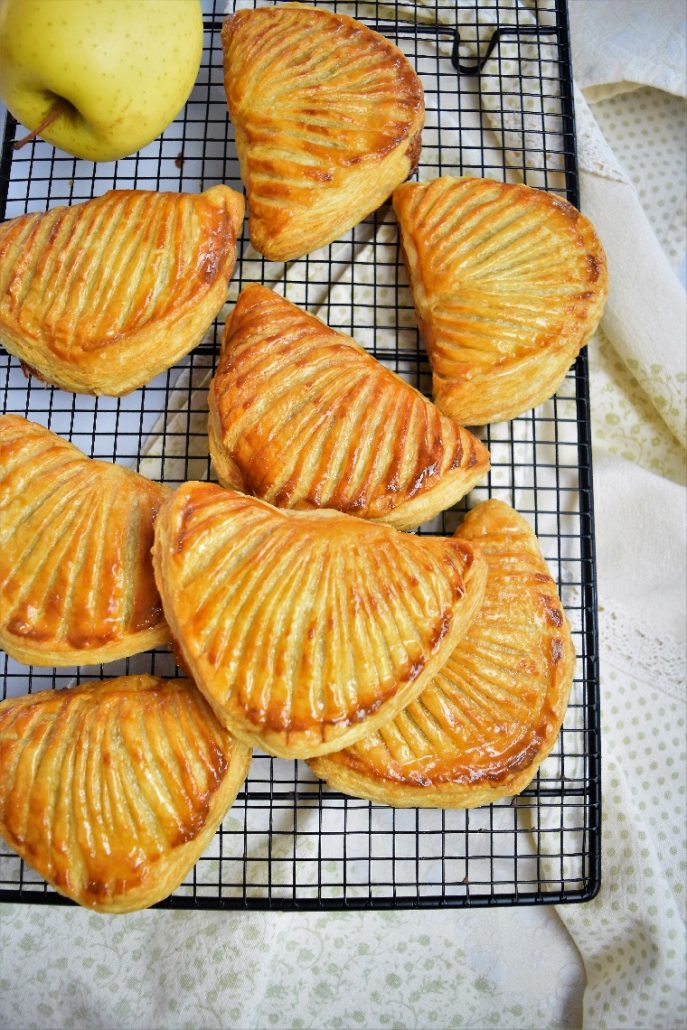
x: 108, y: 68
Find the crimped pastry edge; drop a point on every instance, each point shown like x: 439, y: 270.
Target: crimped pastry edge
x: 132, y: 644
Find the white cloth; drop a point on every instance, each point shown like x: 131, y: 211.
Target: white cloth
x: 617, y: 48
x: 632, y: 937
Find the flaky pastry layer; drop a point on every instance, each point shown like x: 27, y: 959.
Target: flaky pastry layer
x: 102, y: 296
x: 76, y: 577
x: 304, y: 630
x: 303, y: 417
x: 328, y: 115
x: 508, y: 282
x: 112, y: 790
x: 481, y: 729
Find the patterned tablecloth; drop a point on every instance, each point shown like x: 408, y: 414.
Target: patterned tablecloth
x: 619, y: 960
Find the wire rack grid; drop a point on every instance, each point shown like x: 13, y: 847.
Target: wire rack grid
x: 497, y: 82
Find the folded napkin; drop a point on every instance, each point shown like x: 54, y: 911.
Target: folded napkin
x: 645, y: 46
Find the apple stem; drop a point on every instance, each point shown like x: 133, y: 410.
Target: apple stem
x: 58, y: 108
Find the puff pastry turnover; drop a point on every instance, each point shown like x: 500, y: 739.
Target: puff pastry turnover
x: 112, y: 790
x: 327, y: 116
x: 509, y: 283
x: 100, y: 297
x: 303, y: 417
x: 76, y: 577
x: 306, y: 629
x: 482, y: 727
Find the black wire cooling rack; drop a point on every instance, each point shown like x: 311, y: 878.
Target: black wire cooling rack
x: 498, y: 91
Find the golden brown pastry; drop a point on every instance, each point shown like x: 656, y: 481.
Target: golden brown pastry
x: 303, y: 417
x: 327, y: 116
x: 509, y: 283
x: 76, y: 578
x: 100, y: 297
x: 112, y: 790
x: 489, y: 718
x: 304, y: 630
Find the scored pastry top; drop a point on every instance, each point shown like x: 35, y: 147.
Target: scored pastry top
x: 76, y: 577
x: 327, y: 115
x: 303, y: 417
x: 101, y: 296
x: 491, y: 715
x: 111, y: 790
x: 301, y: 628
x: 508, y: 282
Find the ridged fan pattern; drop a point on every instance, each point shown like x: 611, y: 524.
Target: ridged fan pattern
x: 85, y: 290
x: 106, y: 788
x: 299, y: 626
x: 491, y: 715
x: 76, y: 579
x: 508, y: 282
x: 320, y: 102
x: 303, y: 417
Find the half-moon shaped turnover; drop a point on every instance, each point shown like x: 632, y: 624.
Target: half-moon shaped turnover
x: 303, y: 417
x: 112, y: 790
x: 480, y: 730
x: 76, y: 576
x: 327, y: 116
x: 102, y: 296
x: 509, y: 283
x: 305, y: 630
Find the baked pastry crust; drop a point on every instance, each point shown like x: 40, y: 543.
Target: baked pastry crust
x: 76, y: 577
x: 102, y: 296
x: 304, y: 630
x: 303, y: 417
x: 508, y: 282
x: 112, y: 790
x: 328, y: 116
x: 489, y: 718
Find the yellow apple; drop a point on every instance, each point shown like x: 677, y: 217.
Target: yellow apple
x: 98, y: 78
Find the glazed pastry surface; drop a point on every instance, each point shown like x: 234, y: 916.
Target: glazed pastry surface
x: 508, y: 282
x: 304, y: 630
x: 480, y: 730
x: 328, y: 117
x: 112, y: 790
x: 102, y: 296
x: 303, y: 417
x: 76, y: 577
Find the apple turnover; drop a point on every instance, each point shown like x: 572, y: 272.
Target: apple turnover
x: 76, y: 577
x: 102, y: 296
x: 509, y: 283
x: 305, y: 630
x: 112, y: 790
x: 303, y: 417
x: 480, y: 730
x: 328, y: 116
